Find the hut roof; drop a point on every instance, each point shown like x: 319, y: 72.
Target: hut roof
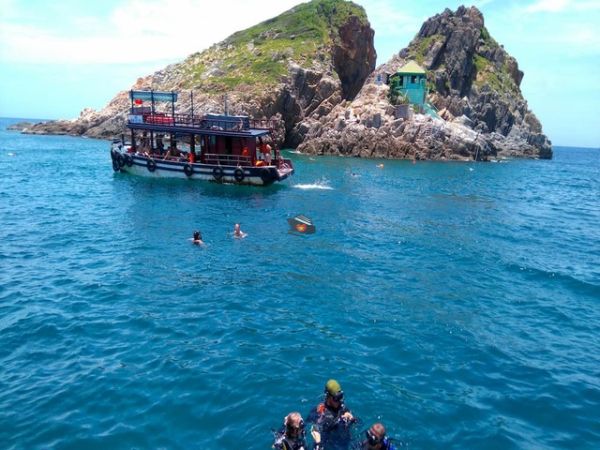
x: 412, y: 68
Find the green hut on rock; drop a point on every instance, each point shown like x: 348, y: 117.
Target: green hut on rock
x: 409, y: 83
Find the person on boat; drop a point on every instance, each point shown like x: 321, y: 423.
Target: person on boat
x: 192, y: 157
x: 332, y: 420
x: 265, y: 150
x: 145, y: 142
x: 376, y: 439
x: 160, y: 145
x: 237, y: 232
x: 197, y: 238
x: 267, y: 154
x: 173, y: 152
x: 292, y: 435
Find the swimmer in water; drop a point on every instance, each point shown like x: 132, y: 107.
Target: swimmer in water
x: 376, y: 439
x: 237, y: 232
x: 380, y: 166
x: 292, y: 434
x: 332, y: 419
x: 197, y: 239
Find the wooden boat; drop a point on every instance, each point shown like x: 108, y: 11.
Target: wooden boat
x: 214, y: 147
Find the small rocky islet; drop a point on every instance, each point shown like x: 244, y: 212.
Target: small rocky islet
x: 20, y: 126
x: 313, y: 68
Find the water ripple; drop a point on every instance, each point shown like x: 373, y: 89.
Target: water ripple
x: 460, y: 307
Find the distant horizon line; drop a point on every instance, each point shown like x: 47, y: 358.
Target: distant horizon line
x: 48, y: 120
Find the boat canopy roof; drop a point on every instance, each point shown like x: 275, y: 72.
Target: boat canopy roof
x: 196, y: 129
x: 153, y: 96
x: 147, y: 118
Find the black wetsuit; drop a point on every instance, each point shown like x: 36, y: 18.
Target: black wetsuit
x: 335, y: 431
x: 387, y: 445
x: 287, y: 443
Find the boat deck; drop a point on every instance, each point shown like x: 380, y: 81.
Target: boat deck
x: 187, y: 123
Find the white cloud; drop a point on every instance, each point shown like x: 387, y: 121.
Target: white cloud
x: 136, y: 31
x: 547, y: 5
x: 481, y: 3
x: 581, y: 39
x: 555, y: 6
x: 387, y: 19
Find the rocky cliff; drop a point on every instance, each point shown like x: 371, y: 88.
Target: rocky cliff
x: 471, y: 80
x: 299, y: 64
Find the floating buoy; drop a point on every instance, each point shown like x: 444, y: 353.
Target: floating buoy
x: 301, y: 224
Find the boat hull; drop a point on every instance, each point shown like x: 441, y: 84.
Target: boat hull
x: 145, y: 166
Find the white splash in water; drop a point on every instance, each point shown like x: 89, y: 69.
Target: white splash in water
x: 11, y: 154
x: 319, y: 184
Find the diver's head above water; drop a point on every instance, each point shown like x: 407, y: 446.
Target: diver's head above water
x: 334, y: 396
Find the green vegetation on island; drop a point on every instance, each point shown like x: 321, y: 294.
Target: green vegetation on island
x: 258, y: 57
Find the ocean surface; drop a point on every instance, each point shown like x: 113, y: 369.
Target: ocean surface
x: 458, y: 303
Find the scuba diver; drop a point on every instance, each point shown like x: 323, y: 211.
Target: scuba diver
x: 332, y: 420
x: 292, y: 434
x: 376, y: 439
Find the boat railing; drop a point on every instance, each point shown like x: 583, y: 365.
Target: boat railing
x: 227, y: 160
x: 235, y: 124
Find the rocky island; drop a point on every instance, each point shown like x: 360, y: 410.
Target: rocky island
x: 471, y: 80
x: 313, y: 67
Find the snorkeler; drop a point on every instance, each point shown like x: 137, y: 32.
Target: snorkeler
x: 197, y: 239
x: 292, y: 434
x: 238, y: 233
x: 332, y: 420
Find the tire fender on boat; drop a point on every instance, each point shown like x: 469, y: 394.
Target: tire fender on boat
x: 218, y: 173
x: 239, y: 175
x: 127, y: 158
x: 151, y: 165
x: 119, y: 160
x: 188, y: 169
x: 265, y: 175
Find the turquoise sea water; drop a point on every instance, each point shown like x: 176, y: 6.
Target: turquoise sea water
x: 459, y: 303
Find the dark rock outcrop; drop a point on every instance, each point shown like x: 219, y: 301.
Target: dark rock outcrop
x: 297, y: 65
x: 472, y: 82
x: 19, y: 126
x: 354, y: 61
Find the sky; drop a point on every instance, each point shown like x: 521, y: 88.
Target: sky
x: 59, y: 57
